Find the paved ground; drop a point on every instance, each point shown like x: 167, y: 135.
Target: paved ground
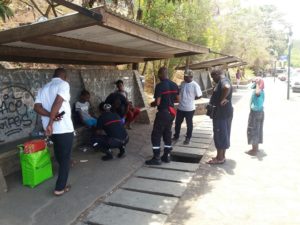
x: 262, y: 190
x: 246, y: 190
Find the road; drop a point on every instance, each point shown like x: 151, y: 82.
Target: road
x: 261, y: 190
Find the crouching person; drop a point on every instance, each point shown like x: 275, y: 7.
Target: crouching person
x: 115, y: 134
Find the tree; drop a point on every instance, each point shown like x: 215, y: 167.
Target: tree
x: 5, y: 10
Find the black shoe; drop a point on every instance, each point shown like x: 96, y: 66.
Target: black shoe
x: 122, y: 152
x: 175, y: 138
x: 153, y: 161
x: 166, y: 158
x: 107, y: 157
x: 186, y: 141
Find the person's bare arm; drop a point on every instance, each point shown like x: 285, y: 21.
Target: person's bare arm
x: 225, y: 93
x: 39, y: 109
x: 54, y: 110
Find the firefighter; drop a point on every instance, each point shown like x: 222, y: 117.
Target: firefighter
x: 116, y: 135
x: 166, y: 93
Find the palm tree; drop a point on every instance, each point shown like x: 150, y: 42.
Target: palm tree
x: 5, y: 11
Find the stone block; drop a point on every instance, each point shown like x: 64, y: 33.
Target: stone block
x: 188, y: 152
x: 166, y: 175
x: 142, y: 201
x: 193, y: 144
x: 201, y: 135
x: 189, y: 167
x: 155, y: 186
x: 111, y: 215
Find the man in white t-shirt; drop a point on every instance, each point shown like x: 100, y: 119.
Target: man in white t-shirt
x: 189, y: 92
x: 52, y: 103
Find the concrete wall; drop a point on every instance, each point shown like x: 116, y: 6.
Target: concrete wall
x: 18, y: 88
x: 202, y: 77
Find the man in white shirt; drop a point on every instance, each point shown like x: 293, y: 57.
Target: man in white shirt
x: 52, y: 103
x: 189, y: 92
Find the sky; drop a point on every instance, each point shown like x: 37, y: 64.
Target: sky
x: 290, y: 9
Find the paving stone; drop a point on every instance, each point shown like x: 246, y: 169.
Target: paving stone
x: 137, y: 200
x: 188, y: 152
x: 201, y: 140
x: 204, y: 136
x: 167, y: 175
x: 155, y: 186
x: 203, y: 131
x: 190, y: 167
x: 193, y: 144
x: 111, y: 215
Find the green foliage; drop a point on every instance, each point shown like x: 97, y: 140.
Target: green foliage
x: 5, y: 11
x: 295, y: 56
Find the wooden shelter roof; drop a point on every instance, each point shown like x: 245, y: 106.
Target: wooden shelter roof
x: 212, y: 63
x: 233, y: 65
x: 79, y: 39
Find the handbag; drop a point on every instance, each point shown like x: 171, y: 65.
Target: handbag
x: 210, y: 110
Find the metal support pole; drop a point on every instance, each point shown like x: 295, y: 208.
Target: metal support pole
x: 289, y: 64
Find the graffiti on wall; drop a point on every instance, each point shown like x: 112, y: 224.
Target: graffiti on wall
x: 17, y: 118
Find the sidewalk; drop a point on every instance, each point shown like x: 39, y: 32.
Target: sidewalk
x: 90, y: 181
x: 262, y: 190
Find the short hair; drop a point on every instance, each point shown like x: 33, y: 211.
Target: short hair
x: 119, y: 82
x: 188, y: 73
x: 163, y: 71
x: 84, y: 93
x: 216, y: 72
x: 59, y: 71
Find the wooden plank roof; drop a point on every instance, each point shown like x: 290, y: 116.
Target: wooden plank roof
x: 78, y: 39
x: 233, y: 65
x: 212, y: 63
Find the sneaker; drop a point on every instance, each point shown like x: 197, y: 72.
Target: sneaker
x: 166, y: 158
x: 186, y: 141
x: 122, y: 152
x: 153, y: 161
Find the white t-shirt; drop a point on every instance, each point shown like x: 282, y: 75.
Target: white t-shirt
x: 83, y: 109
x: 188, y: 93
x: 46, y: 97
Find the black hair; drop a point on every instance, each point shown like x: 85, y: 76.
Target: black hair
x: 58, y: 72
x: 101, y: 106
x: 216, y: 72
x: 119, y: 82
x: 163, y: 71
x: 84, y: 93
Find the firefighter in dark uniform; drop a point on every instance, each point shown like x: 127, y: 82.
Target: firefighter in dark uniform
x: 116, y: 135
x: 166, y: 93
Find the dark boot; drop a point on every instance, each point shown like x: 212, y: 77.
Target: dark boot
x: 108, y: 155
x: 122, y: 152
x: 166, y: 156
x: 155, y: 159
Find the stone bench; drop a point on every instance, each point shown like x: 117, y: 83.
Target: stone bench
x: 10, y: 161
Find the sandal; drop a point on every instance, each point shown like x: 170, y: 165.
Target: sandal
x: 215, y: 161
x: 65, y: 190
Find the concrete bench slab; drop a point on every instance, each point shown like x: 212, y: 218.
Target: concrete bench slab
x: 111, y: 215
x: 188, y: 152
x: 155, y: 186
x: 166, y: 175
x: 189, y: 167
x: 142, y: 201
x: 201, y: 140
